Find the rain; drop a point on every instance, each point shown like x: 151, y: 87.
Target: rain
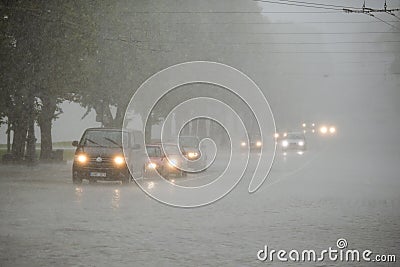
x: 199, y: 133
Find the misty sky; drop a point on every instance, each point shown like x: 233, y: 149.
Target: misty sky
x: 343, y: 75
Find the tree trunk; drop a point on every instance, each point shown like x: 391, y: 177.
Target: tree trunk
x: 19, y: 127
x: 49, y: 106
x: 31, y: 140
x: 19, y: 138
x: 8, y: 136
x: 46, y: 143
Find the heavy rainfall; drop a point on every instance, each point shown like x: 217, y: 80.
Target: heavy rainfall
x: 297, y: 148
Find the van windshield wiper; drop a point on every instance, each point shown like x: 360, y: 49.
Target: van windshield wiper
x: 112, y: 141
x: 93, y: 142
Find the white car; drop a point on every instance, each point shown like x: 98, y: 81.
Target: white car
x: 295, y: 141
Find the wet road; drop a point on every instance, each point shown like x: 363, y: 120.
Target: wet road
x: 308, y: 202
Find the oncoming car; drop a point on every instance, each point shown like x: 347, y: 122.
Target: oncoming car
x: 293, y: 141
x: 255, y: 143
x: 189, y: 146
x: 173, y: 163
x: 156, y: 160
x: 166, y: 163
x: 99, y: 156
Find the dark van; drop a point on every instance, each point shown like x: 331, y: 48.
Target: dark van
x: 99, y: 155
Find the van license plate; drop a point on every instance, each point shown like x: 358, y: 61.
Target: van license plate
x: 98, y: 174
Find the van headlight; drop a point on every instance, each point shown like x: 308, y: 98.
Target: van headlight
x: 119, y: 160
x: 81, y: 158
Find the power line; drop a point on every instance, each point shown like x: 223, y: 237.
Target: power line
x: 387, y: 23
x: 308, y: 3
x: 284, y: 23
x: 303, y: 4
x: 394, y: 15
x: 256, y: 43
x: 232, y: 12
x: 158, y: 43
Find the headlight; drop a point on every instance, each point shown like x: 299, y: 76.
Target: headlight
x: 332, y: 130
x: 304, y: 125
x: 82, y: 158
x: 285, y: 143
x: 192, y: 155
x: 258, y: 144
x: 323, y: 129
x: 284, y: 134
x: 243, y: 144
x: 276, y: 135
x: 151, y: 165
x: 301, y: 143
x: 119, y: 160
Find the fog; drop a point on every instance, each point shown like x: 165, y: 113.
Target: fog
x: 316, y: 65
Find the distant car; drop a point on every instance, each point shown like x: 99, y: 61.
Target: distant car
x: 172, y: 161
x: 99, y: 156
x: 189, y: 146
x: 294, y: 141
x: 156, y: 160
x: 255, y: 143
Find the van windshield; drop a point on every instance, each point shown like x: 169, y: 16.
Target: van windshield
x: 103, y: 138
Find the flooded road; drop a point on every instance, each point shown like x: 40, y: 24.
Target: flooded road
x: 308, y: 202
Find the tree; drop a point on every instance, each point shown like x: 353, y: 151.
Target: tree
x: 45, y: 46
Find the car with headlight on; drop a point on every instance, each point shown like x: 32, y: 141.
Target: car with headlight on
x: 99, y: 155
x: 173, y: 164
x: 190, y: 149
x: 254, y: 143
x: 293, y: 141
x: 155, y: 162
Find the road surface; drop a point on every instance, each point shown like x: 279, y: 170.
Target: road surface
x: 308, y: 202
